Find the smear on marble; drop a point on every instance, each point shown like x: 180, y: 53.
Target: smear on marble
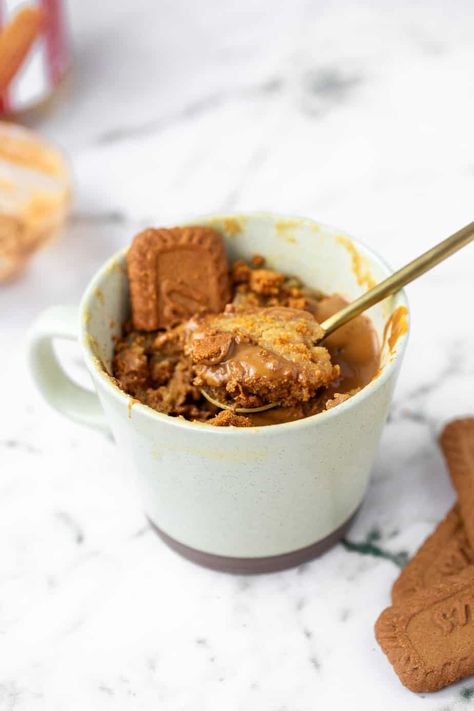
x: 302, y: 568
x: 411, y: 415
x: 141, y: 532
x: 113, y: 217
x: 190, y: 111
x: 106, y: 690
x: 10, y: 693
x: 72, y: 524
x: 370, y: 547
x: 332, y: 82
x: 327, y: 87
x: 21, y: 446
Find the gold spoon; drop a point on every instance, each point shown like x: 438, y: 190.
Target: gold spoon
x: 389, y: 286
x: 242, y: 410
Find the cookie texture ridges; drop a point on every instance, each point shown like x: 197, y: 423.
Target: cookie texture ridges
x: 445, y: 552
x: 457, y: 443
x: 175, y: 273
x: 429, y: 638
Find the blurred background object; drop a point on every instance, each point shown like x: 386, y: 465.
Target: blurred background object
x: 34, y: 196
x: 34, y: 53
x: 34, y: 177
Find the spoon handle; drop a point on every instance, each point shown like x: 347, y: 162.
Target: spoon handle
x: 397, y: 280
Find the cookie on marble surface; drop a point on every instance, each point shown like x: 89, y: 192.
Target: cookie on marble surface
x: 457, y: 443
x: 445, y: 552
x: 176, y: 273
x: 429, y: 638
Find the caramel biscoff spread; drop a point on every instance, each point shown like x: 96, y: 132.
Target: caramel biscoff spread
x: 259, y: 349
x: 255, y: 356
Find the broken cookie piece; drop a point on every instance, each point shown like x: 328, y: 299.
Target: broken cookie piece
x: 256, y: 356
x: 428, y: 638
x: 176, y: 273
x: 227, y: 418
x: 446, y: 552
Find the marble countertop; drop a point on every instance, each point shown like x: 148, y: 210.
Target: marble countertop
x: 356, y: 115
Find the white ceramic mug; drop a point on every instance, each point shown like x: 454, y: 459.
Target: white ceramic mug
x: 244, y: 500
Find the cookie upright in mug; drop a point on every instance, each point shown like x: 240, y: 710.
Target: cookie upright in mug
x: 176, y: 273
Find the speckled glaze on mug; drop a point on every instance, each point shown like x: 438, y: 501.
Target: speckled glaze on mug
x: 252, y: 499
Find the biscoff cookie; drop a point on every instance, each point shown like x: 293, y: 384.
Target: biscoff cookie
x: 429, y: 638
x: 457, y: 443
x: 176, y: 273
x: 445, y: 552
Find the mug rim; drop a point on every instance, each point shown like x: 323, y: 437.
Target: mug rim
x: 110, y: 385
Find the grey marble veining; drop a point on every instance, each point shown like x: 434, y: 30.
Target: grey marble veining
x: 358, y: 116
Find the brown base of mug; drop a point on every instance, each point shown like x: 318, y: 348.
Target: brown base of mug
x: 250, y: 566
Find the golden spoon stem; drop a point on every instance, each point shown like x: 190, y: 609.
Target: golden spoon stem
x: 396, y: 281
x: 387, y: 287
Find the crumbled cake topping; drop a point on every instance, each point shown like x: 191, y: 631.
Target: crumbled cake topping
x: 261, y: 348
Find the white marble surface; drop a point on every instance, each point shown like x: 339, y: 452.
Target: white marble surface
x: 358, y: 115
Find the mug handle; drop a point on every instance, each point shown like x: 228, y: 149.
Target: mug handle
x: 66, y: 396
